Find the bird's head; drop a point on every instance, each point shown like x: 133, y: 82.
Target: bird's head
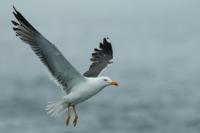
x: 106, y: 81
x: 101, y: 82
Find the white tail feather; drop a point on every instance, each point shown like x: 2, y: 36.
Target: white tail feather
x: 55, y: 108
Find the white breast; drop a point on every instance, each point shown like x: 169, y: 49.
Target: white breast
x: 85, y: 90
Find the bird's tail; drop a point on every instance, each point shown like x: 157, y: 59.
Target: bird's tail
x: 55, y: 108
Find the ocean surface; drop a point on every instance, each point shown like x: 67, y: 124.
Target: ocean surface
x: 156, y: 62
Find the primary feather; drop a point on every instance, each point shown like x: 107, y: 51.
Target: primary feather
x: 100, y: 58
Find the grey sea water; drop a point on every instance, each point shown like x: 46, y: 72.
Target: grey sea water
x: 156, y: 61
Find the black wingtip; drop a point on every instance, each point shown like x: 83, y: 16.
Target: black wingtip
x: 14, y: 8
x: 95, y: 49
x: 15, y: 29
x: 15, y: 12
x: 14, y: 23
x: 106, y: 40
x: 21, y: 19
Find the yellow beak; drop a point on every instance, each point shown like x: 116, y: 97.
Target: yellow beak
x: 114, y: 83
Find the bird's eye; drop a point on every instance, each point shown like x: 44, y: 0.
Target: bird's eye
x: 105, y: 80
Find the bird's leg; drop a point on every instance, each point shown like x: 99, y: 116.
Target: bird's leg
x: 76, y: 116
x: 68, y: 116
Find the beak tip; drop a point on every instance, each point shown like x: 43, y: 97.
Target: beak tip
x: 114, y: 83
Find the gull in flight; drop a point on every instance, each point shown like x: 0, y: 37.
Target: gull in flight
x: 77, y: 87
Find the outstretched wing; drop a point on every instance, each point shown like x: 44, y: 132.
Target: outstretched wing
x: 100, y: 58
x: 52, y: 58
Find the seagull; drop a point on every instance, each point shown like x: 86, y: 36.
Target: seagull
x: 77, y: 87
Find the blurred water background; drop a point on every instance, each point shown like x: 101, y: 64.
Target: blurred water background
x: 156, y: 61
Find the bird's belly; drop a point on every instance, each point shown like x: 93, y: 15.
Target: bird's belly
x: 83, y: 95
